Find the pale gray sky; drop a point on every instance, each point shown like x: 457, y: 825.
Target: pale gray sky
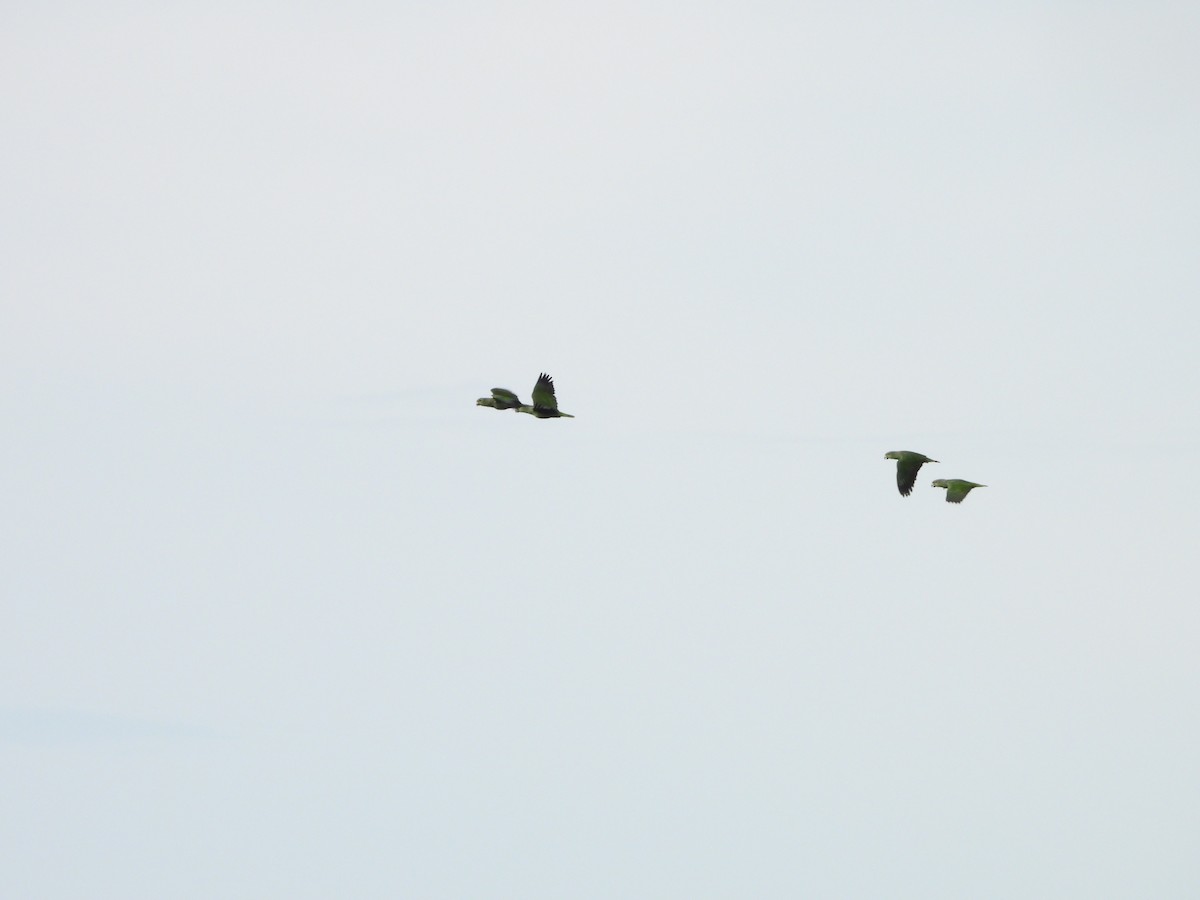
x: 285, y: 614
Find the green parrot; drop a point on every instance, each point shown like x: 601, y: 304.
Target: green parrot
x: 545, y: 405
x: 502, y: 398
x: 956, y: 488
x: 908, y: 464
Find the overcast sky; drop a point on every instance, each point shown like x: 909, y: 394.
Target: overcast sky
x: 284, y: 614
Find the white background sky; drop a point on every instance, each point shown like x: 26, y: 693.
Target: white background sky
x: 285, y: 614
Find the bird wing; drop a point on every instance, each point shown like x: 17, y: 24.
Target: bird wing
x: 907, y: 468
x: 543, y: 393
x: 956, y: 491
x: 506, y: 396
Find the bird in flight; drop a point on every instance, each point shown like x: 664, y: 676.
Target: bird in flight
x: 908, y: 464
x: 502, y: 398
x: 545, y: 404
x: 956, y: 488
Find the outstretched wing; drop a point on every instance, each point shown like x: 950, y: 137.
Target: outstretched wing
x: 957, y: 489
x: 956, y: 492
x: 907, y: 468
x: 543, y: 393
x: 505, y: 398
